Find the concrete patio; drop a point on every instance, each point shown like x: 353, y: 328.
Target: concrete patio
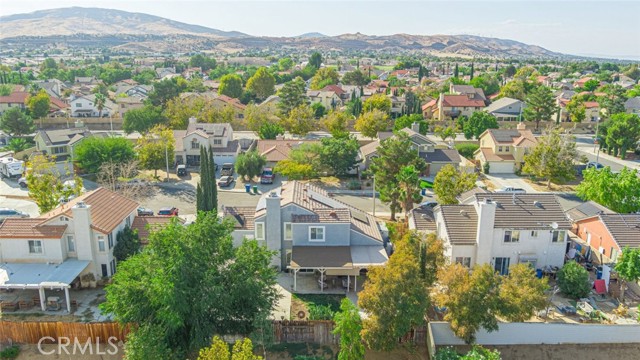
x: 87, y: 301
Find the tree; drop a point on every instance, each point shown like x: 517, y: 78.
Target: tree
x: 301, y: 120
x: 165, y: 90
x: 540, y: 105
x: 315, y: 60
x: 356, y: 77
x: 577, y: 111
x: 250, y: 164
x: 285, y: 64
x: 219, y: 350
x: 394, y: 153
x: 256, y: 116
x: 262, y: 83
x: 92, y: 152
x: 127, y: 244
x: 573, y: 280
x: 617, y: 191
x: 467, y: 149
x: 406, y: 121
x: 18, y: 145
x: 337, y: 123
x: 377, y: 101
x: 46, y: 186
x: 294, y: 170
x: 324, y: 77
x: 623, y: 132
x: 613, y: 100
x: 348, y: 327
x: 339, y: 155
x: 292, y: 95
x: 16, y: 123
x: 628, y: 267
x: 476, y: 353
x: 479, y: 121
x: 111, y: 174
x: 372, y: 122
x: 156, y: 149
x: 451, y: 182
x: 409, y: 188
x: 207, y: 191
x: 231, y: 86
x: 38, y: 105
x: 509, y: 70
x: 318, y: 110
x: 445, y: 132
x: 143, y: 119
x: 203, y: 62
x: 270, y: 130
x: 488, y: 83
x: 552, y: 158
x: 455, y: 71
x: 521, y: 293
x: 234, y: 287
x: 591, y: 85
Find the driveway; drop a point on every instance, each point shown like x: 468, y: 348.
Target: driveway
x: 512, y: 180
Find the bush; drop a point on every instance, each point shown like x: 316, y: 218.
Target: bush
x: 320, y: 312
x: 573, y: 280
x: 11, y: 352
x: 467, y: 149
x: 447, y: 353
x: 354, y: 185
x: 485, y: 168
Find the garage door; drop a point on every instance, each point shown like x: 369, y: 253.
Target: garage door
x: 500, y: 168
x: 221, y: 159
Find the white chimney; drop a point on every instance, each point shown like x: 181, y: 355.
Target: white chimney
x: 82, y: 231
x: 415, y: 127
x: 193, y: 120
x: 484, y: 236
x: 273, y: 228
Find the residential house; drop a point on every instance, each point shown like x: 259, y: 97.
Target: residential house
x: 592, y: 111
x: 53, y: 250
x: 470, y: 91
x: 422, y: 220
x: 398, y: 105
x: 86, y: 81
x: 454, y: 106
x: 217, y: 136
x: 504, y: 230
x: 271, y: 103
x: 144, y: 225
x: 506, y: 109
x: 607, y: 234
x: 54, y: 87
x: 139, y: 91
x: 15, y: 99
x: 311, y: 231
x: 328, y: 99
x: 220, y: 101
x: 162, y: 73
x: 61, y: 142
x: 85, y: 106
x: 125, y: 104
x: 632, y: 105
x: 279, y: 149
x: 504, y: 149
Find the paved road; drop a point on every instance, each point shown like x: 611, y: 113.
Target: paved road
x: 510, y: 180
x: 585, y: 145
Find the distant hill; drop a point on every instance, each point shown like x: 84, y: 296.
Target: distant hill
x: 143, y: 33
x: 74, y: 20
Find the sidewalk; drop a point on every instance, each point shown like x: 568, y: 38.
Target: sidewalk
x: 632, y: 164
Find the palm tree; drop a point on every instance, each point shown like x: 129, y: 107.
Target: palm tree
x: 100, y: 101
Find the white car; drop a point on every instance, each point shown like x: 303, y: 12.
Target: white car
x: 509, y: 189
x: 7, y: 213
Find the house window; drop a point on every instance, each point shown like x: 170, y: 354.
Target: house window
x: 194, y: 144
x: 506, y: 149
x: 465, y: 261
x: 511, y: 236
x: 217, y: 141
x: 101, y: 246
x: 499, y: 148
x: 316, y: 233
x: 128, y: 221
x: 260, y: 231
x: 110, y: 236
x: 288, y: 231
x: 104, y: 270
x: 558, y: 236
x: 501, y: 265
x: 71, y: 243
x: 58, y: 149
x: 113, y: 267
x: 35, y: 247
x: 287, y: 257
x: 534, y: 233
x: 78, y: 105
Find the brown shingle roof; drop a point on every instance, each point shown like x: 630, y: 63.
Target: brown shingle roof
x: 625, y: 228
x: 146, y: 224
x: 491, y: 156
x: 243, y: 216
x: 19, y: 228
x: 423, y: 220
x: 16, y: 97
x: 461, y: 223
x: 526, y: 211
x: 461, y: 101
x: 278, y: 150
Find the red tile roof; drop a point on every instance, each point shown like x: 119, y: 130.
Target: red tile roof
x: 146, y: 224
x: 461, y: 101
x: 16, y: 97
x: 18, y: 228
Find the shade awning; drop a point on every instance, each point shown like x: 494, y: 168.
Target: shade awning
x: 366, y: 256
x: 321, y: 257
x: 41, y: 274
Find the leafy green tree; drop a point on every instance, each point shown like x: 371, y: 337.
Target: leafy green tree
x: 294, y: 170
x: 143, y: 119
x: 230, y: 85
x: 218, y: 350
x: 623, y: 132
x: 285, y: 64
x: 127, y: 244
x: 18, y: 144
x: 338, y: 155
x: 92, y: 152
x: 509, y: 70
x: 270, y: 130
x: 354, y: 106
x: 250, y: 164
x: 451, y: 182
x: 377, y: 101
x: 552, y: 158
x: 356, y: 77
x: 488, y: 83
x: 203, y: 62
x: 16, y: 123
x: 165, y: 90
x: 315, y: 60
x: 628, y: 267
x: 348, y: 327
x: 262, y: 83
x: 445, y: 132
x: 613, y: 100
x: 243, y: 350
x: 409, y: 188
x: 318, y: 110
x: 617, y: 191
x: 337, y: 123
x: 406, y: 121
x: 467, y: 149
x: 145, y: 76
x: 156, y: 149
x: 100, y: 101
x: 207, y: 191
x: 256, y: 116
x: 234, y: 287
x: 324, y: 77
x: 540, y: 105
x: 300, y: 121
x: 5, y: 89
x: 577, y: 111
x: 479, y: 121
x: 591, y: 85
x: 38, y: 105
x: 46, y: 186
x: 372, y: 122
x: 394, y: 153
x: 573, y: 280
x: 292, y: 95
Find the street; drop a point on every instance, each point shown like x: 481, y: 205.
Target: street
x: 585, y: 145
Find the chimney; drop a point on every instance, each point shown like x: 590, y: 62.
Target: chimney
x: 273, y: 229
x: 415, y: 127
x: 521, y: 126
x: 484, y: 236
x: 441, y: 107
x: 193, y: 120
x: 82, y: 231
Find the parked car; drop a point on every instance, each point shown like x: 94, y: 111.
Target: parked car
x: 22, y: 182
x: 227, y: 169
x: 225, y: 181
x: 181, y: 170
x: 267, y: 176
x: 144, y: 212
x: 593, y: 164
x: 428, y: 205
x: 168, y: 211
x: 9, y: 213
x: 509, y: 189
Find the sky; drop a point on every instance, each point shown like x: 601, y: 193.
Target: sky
x: 603, y: 28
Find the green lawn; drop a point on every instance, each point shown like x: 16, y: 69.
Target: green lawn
x: 426, y: 184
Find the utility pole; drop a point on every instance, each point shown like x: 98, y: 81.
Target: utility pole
x: 166, y: 157
x: 374, y: 196
x: 596, y: 143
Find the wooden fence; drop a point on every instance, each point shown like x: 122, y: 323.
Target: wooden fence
x: 30, y: 332
x: 317, y: 332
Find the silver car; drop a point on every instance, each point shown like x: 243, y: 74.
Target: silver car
x: 11, y: 213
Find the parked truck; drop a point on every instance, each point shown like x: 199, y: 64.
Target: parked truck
x: 11, y: 167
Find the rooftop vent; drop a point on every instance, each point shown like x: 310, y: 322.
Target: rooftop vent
x: 273, y: 194
x: 81, y: 204
x: 537, y: 204
x: 463, y: 213
x: 333, y: 214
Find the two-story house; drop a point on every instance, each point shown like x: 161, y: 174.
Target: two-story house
x: 632, y: 105
x: 85, y: 106
x: 328, y: 99
x: 310, y: 231
x: 504, y: 230
x: 61, y: 142
x: 607, y: 234
x: 279, y: 149
x: 13, y: 100
x: 219, y: 137
x: 472, y: 92
x: 504, y: 149
x: 53, y: 250
x: 506, y: 109
x: 453, y: 106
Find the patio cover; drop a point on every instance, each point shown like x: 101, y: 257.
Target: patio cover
x: 366, y: 256
x: 321, y: 257
x: 34, y: 275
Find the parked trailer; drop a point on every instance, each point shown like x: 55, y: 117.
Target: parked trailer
x: 11, y: 168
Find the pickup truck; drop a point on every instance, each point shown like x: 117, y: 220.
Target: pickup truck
x: 227, y: 169
x: 509, y: 189
x: 267, y: 176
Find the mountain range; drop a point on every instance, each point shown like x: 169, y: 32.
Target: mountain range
x: 138, y: 32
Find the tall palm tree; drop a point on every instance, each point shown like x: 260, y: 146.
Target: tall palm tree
x: 100, y: 102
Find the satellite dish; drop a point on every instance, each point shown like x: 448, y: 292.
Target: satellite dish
x: 554, y: 225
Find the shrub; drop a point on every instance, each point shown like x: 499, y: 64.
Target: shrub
x: 485, y: 168
x: 320, y: 312
x: 447, y: 353
x: 573, y: 280
x: 11, y: 352
x: 354, y: 185
x: 467, y: 149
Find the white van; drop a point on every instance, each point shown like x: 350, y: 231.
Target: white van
x: 11, y: 167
